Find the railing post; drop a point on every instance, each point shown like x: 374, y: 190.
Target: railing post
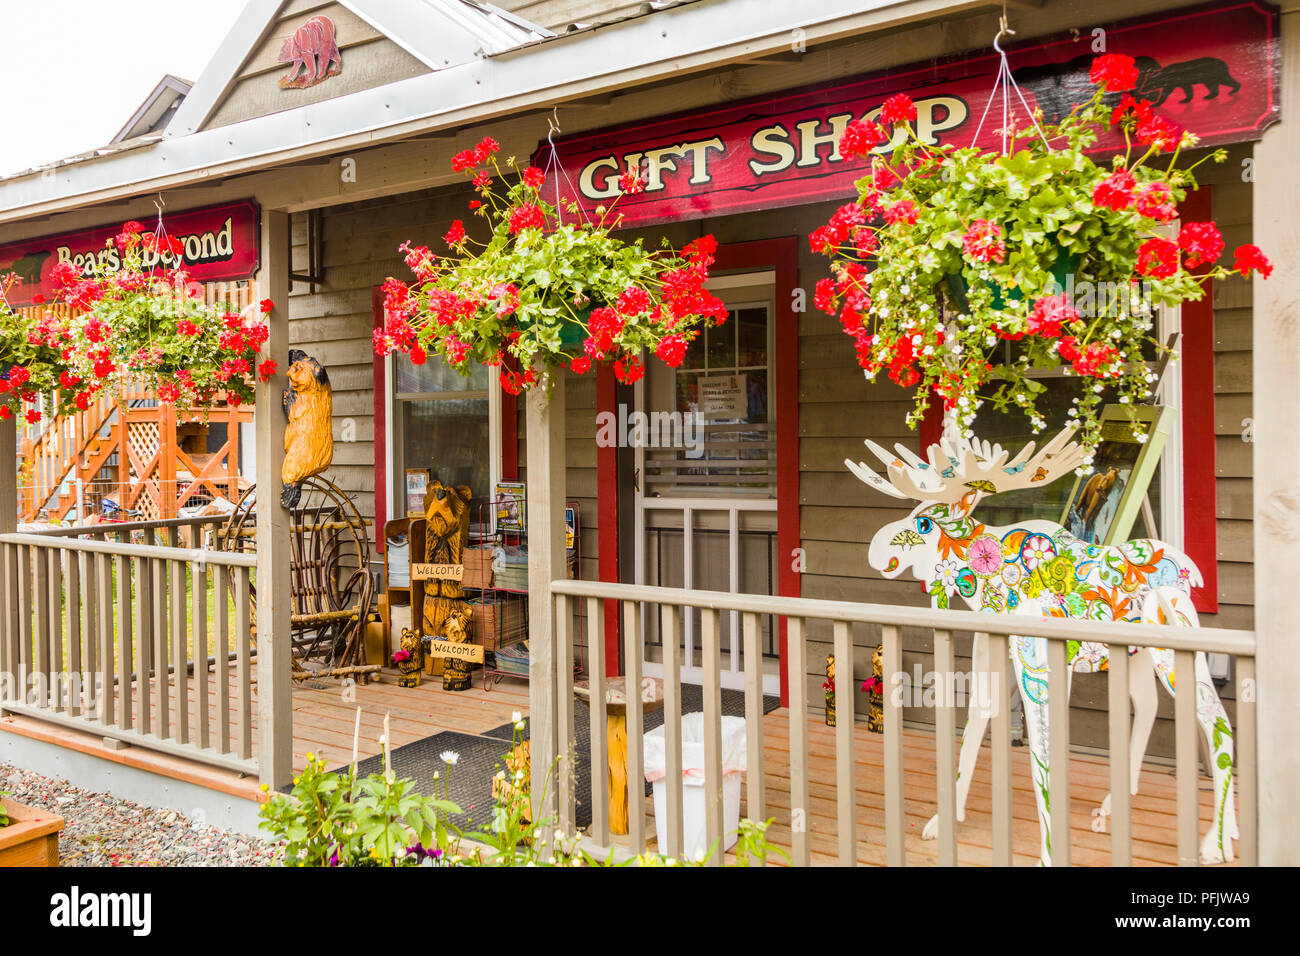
x: 546, y: 563
x: 274, y: 704
x: 8, y: 560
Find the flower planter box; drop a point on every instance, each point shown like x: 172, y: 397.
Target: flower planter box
x: 32, y: 837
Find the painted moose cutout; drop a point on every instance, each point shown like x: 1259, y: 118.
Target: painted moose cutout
x: 1039, y: 568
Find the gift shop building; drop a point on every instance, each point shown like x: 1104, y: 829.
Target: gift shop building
x: 699, y: 526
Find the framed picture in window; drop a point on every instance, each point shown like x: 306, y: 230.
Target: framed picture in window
x: 417, y: 486
x: 1103, y: 506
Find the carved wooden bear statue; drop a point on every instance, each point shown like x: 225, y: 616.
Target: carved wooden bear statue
x: 446, y: 612
x: 309, y: 437
x: 409, y: 664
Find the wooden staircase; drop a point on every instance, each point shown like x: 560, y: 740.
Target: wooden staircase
x: 133, y: 449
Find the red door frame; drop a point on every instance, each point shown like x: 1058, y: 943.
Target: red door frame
x: 1200, y: 513
x: 782, y: 256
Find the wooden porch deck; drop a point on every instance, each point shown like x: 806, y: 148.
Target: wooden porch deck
x: 324, y: 720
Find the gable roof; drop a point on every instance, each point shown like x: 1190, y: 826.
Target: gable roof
x: 156, y: 111
x: 438, y: 33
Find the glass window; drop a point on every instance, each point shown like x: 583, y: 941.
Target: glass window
x: 725, y: 377
x: 442, y: 422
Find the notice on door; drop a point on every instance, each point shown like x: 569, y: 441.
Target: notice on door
x: 724, y: 398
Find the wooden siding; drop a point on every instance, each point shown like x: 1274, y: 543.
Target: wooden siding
x: 369, y: 59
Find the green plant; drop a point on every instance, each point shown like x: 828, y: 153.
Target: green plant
x: 948, y: 253
x: 542, y: 292
x: 331, y: 819
x: 753, y: 846
x: 4, y: 817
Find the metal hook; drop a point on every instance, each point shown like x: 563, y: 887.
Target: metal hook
x: 553, y: 125
x: 1003, y: 30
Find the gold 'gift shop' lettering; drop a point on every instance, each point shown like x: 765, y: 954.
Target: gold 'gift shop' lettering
x: 801, y: 144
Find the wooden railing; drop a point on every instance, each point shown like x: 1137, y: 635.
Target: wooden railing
x: 148, y: 645
x: 797, y: 613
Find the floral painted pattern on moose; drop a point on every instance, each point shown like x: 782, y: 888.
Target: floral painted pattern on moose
x: 1039, y: 568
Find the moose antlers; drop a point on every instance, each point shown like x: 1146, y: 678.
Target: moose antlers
x: 957, y: 469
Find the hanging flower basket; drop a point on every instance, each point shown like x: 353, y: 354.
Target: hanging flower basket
x: 132, y: 324
x: 545, y: 288
x: 948, y: 253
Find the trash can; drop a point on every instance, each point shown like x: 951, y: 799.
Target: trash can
x: 694, y: 798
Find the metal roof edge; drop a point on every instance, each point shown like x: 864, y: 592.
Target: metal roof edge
x: 627, y: 52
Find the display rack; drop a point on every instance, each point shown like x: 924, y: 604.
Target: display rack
x: 500, y: 606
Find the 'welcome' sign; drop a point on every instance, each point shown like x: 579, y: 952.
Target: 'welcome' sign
x: 1212, y: 70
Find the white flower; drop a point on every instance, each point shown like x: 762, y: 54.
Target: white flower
x: 516, y: 717
x: 449, y: 757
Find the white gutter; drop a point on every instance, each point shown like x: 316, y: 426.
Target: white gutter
x: 627, y: 53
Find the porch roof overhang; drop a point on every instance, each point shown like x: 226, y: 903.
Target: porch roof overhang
x: 640, y: 50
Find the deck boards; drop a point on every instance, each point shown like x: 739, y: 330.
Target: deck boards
x: 324, y: 720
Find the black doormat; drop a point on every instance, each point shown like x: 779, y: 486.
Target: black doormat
x: 477, y: 761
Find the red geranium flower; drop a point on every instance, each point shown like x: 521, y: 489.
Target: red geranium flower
x: 629, y: 370
x: 632, y: 183
x: 983, y: 241
x: 266, y: 370
x: 417, y: 355
x: 465, y: 159
x: 266, y: 306
x: 902, y: 211
x: 860, y: 138
x: 1155, y: 201
x: 64, y: 274
x: 580, y: 364
x: 525, y: 216
x: 633, y: 301
x: 67, y: 380
x: 1117, y: 71
x: 899, y: 108
x: 1201, y: 241
x: 1115, y: 191
x: 1158, y: 132
x: 824, y: 296
x: 1158, y: 258
x: 1248, y: 259
x: 671, y: 350
x: 1050, y: 314
x: 533, y: 177
x: 455, y: 234
x: 33, y: 416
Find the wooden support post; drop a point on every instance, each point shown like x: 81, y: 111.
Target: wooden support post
x: 546, y: 557
x: 274, y: 702
x: 1276, y: 357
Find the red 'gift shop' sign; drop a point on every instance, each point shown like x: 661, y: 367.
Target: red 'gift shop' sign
x: 1212, y: 70
x: 218, y: 243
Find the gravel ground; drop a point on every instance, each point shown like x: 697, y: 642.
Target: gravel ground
x: 103, y: 830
